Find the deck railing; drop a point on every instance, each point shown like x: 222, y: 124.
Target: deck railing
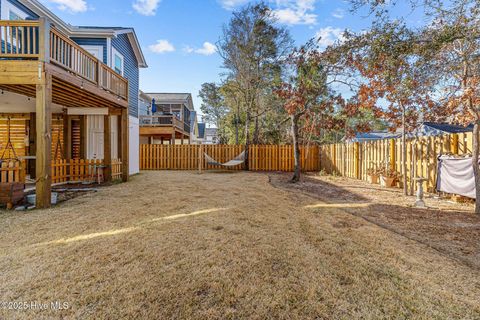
x: 161, y: 121
x: 20, y: 40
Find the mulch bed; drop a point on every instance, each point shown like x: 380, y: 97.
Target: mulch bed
x: 450, y: 228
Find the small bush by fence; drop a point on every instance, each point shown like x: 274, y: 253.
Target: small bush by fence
x: 354, y: 159
x: 261, y: 157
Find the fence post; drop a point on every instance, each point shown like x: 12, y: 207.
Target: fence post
x: 454, y: 143
x: 357, y: 160
x: 334, y: 162
x: 393, y: 160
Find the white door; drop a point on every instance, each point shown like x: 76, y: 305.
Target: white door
x: 95, y: 137
x: 114, y: 126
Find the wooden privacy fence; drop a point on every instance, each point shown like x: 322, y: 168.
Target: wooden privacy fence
x: 261, y: 157
x: 353, y: 160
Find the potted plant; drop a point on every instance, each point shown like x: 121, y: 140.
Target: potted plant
x: 372, y: 176
x: 388, y: 178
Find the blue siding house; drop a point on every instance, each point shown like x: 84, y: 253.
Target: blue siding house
x: 117, y: 47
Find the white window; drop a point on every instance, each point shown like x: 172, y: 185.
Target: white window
x: 10, y: 12
x: 117, y: 62
x: 96, y: 51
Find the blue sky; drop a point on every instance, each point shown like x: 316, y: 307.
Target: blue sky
x: 178, y: 36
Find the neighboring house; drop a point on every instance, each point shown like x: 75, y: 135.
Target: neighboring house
x: 170, y: 123
x: 94, y: 76
x: 211, y: 136
x: 373, y: 136
x: 438, y: 129
x: 425, y: 129
x: 144, y: 104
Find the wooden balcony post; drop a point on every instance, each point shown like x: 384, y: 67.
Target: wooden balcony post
x: 32, y: 148
x: 44, y: 40
x: 44, y: 142
x: 107, y: 148
x: 124, y: 145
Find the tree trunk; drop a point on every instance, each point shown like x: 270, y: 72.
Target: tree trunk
x: 236, y: 128
x: 296, y: 149
x: 247, y: 141
x: 237, y: 124
x: 476, y: 169
x: 256, y: 132
x: 404, y: 152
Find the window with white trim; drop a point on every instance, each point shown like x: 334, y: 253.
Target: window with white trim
x: 117, y: 62
x: 11, y: 12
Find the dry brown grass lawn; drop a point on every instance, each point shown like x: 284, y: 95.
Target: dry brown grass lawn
x: 182, y: 245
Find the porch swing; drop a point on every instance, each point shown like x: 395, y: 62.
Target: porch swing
x: 58, y: 147
x: 9, y: 146
x: 11, y: 192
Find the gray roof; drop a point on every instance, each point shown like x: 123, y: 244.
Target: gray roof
x: 374, y: 135
x: 173, y: 98
x: 170, y: 96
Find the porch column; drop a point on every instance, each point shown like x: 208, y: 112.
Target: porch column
x: 124, y: 145
x: 44, y: 142
x: 107, y: 147
x: 32, y: 148
x: 183, y: 137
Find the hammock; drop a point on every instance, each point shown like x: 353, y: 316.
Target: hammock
x: 232, y: 163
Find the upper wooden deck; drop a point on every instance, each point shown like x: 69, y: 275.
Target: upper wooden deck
x: 31, y: 48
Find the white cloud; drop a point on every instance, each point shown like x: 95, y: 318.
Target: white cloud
x: 232, y: 4
x: 207, y: 50
x: 290, y: 12
x: 295, y: 12
x: 162, y: 46
x: 146, y: 7
x: 339, y: 14
x: 188, y: 49
x: 329, y: 36
x: 74, y: 6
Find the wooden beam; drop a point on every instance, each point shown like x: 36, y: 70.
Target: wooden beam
x: 44, y: 143
x: 20, y: 72
x: 124, y: 145
x: 107, y: 147
x: 32, y: 148
x: 63, y: 76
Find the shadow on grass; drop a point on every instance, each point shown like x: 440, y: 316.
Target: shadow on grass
x: 452, y: 233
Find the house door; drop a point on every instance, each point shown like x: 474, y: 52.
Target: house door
x: 95, y: 137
